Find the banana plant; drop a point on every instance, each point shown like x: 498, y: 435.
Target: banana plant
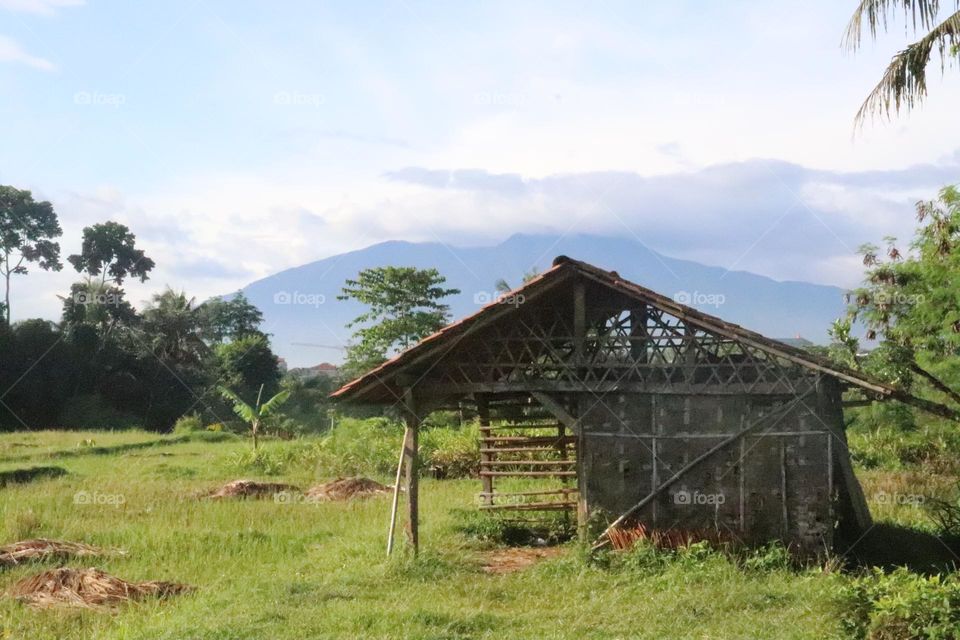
x: 254, y: 415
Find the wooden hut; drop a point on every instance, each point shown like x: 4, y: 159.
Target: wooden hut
x: 638, y: 408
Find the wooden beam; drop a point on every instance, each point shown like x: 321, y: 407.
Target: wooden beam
x: 558, y: 411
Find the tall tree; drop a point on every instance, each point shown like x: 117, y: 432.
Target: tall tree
x: 230, y: 319
x: 904, y: 83
x: 109, y: 251
x: 910, y: 300
x: 172, y: 329
x: 27, y: 232
x: 404, y: 305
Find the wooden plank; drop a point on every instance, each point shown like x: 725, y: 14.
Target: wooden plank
x: 523, y: 450
x: 529, y: 474
x: 527, y: 463
x: 555, y: 440
x: 546, y: 492
x: 532, y: 506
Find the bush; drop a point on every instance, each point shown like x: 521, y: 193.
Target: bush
x: 935, y: 446
x: 273, y: 459
x: 91, y: 411
x: 189, y: 423
x: 901, y: 606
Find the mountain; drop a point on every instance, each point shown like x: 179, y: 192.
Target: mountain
x: 307, y: 321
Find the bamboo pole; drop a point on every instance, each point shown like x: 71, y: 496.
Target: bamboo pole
x: 396, y: 491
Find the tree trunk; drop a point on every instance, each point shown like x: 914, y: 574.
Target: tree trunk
x: 256, y: 424
x: 934, y: 381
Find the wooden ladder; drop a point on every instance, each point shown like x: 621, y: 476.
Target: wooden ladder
x: 529, y: 454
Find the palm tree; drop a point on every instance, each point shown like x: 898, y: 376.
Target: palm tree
x: 257, y: 413
x: 172, y: 328
x: 904, y: 83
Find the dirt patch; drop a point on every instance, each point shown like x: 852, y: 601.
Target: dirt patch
x: 42, y: 549
x: 346, y: 489
x: 88, y: 589
x: 250, y: 489
x: 29, y: 474
x: 512, y: 559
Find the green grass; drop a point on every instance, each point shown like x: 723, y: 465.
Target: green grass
x: 271, y: 570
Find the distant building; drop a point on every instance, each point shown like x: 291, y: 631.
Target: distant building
x: 797, y: 341
x: 323, y: 369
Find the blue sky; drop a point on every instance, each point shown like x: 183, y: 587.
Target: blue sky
x: 238, y: 138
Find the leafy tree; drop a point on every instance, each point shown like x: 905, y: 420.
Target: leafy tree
x: 99, y: 305
x: 248, y: 365
x: 110, y: 251
x: 256, y: 413
x: 225, y: 320
x: 27, y: 232
x: 911, y: 301
x: 403, y: 307
x: 904, y: 83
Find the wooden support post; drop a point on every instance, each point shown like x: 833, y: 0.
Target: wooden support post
x: 413, y: 469
x: 580, y: 323
x: 638, y: 334
x: 486, y: 482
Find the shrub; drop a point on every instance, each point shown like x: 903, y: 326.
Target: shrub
x: 487, y: 527
x: 189, y: 423
x: 901, y: 606
x: 452, y: 452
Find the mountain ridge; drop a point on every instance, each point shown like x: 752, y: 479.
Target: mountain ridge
x: 308, y: 322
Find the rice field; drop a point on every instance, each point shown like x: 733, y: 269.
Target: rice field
x: 297, y: 569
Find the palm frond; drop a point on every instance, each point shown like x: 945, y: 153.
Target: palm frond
x: 243, y: 410
x: 904, y: 83
x: 873, y: 14
x: 274, y: 403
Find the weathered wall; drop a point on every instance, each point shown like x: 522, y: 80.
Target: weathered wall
x: 773, y: 483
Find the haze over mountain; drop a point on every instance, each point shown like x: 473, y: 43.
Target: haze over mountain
x: 307, y: 321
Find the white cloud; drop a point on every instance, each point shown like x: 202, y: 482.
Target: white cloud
x: 39, y: 7
x: 10, y: 51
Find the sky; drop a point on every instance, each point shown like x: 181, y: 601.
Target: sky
x: 239, y: 138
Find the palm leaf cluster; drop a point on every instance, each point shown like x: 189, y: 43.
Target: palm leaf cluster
x: 904, y: 82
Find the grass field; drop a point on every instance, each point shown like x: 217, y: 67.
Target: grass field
x: 265, y: 569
